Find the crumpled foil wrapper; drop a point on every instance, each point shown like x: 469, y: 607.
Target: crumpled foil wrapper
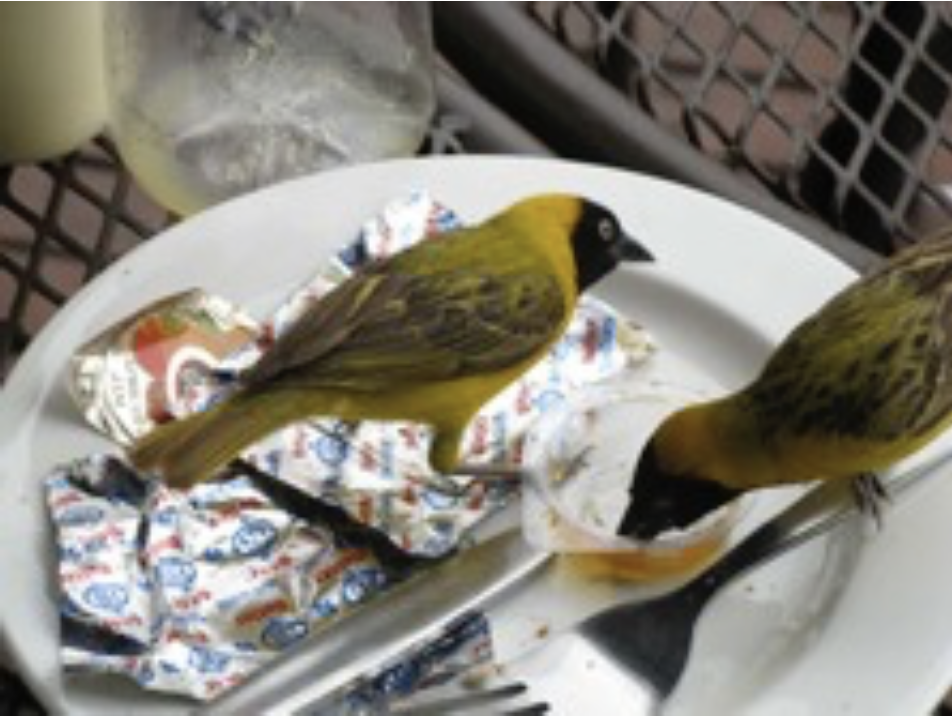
x: 189, y: 592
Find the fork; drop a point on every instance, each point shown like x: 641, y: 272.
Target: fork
x: 636, y: 653
x: 510, y: 699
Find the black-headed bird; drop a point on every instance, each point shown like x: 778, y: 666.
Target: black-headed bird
x: 428, y: 335
x: 858, y: 386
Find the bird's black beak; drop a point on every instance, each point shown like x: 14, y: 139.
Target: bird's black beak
x: 626, y: 249
x: 660, y: 501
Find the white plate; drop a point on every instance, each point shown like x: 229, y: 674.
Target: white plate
x: 859, y: 625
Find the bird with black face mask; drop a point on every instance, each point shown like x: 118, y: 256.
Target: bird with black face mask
x: 860, y: 385
x: 428, y: 335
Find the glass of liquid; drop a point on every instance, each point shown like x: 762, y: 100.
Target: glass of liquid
x: 209, y: 100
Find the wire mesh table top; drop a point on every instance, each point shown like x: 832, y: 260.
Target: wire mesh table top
x: 840, y: 109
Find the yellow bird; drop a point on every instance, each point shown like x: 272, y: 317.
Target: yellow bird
x: 863, y: 383
x: 428, y: 335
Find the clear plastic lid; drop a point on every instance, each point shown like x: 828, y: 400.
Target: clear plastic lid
x: 581, y: 458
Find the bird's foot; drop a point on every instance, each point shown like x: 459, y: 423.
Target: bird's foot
x: 485, y: 472
x: 443, y: 484
x: 465, y: 476
x: 871, y: 497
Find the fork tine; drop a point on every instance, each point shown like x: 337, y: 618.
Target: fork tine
x: 462, y: 701
x: 533, y: 709
x: 476, y: 702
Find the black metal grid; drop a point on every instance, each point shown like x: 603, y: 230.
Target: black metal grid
x: 840, y: 109
x: 60, y: 224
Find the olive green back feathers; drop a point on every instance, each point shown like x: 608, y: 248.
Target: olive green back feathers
x: 411, y: 321
x: 875, y: 363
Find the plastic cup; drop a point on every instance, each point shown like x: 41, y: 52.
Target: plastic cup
x: 581, y: 458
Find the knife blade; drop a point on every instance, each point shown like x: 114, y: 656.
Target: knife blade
x: 368, y: 638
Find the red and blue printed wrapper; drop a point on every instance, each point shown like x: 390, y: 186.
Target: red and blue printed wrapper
x: 189, y: 592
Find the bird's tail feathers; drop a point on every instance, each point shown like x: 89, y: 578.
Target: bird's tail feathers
x: 190, y: 450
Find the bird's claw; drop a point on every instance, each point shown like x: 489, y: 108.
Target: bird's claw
x: 444, y: 485
x: 477, y: 474
x: 871, y: 497
x: 504, y: 472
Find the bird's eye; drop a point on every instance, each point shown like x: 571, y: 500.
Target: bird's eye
x: 606, y: 230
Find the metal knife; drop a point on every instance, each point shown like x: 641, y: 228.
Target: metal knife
x: 370, y: 637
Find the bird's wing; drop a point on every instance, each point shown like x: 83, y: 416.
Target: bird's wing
x: 875, y: 364
x: 388, y: 327
x: 324, y: 326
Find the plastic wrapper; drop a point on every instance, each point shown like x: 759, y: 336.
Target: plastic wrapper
x: 189, y: 592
